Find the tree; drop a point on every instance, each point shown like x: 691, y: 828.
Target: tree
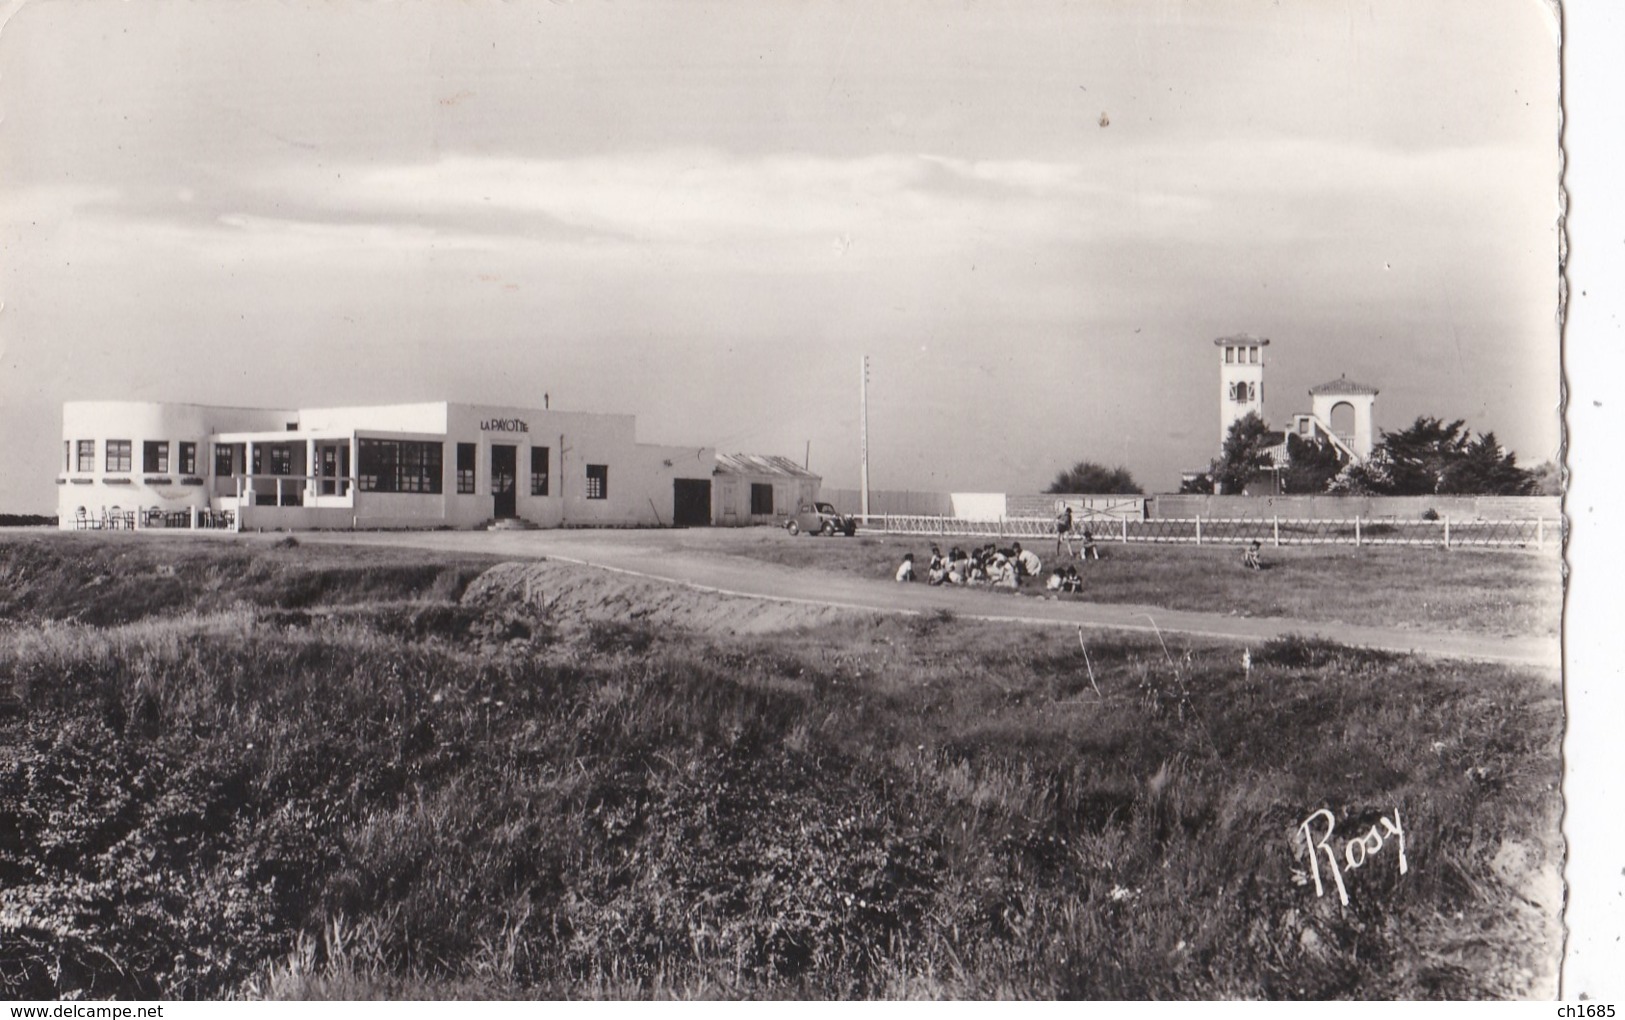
x: 1548, y: 478
x: 1312, y: 464
x: 1418, y: 458
x: 1091, y: 478
x: 1245, y: 454
x: 1197, y: 485
x: 1436, y: 457
x: 1368, y: 479
x: 1484, y: 468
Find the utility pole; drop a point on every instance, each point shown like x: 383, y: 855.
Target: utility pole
x: 863, y: 479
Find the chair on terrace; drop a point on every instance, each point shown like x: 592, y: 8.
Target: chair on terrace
x: 112, y: 518
x: 81, y: 519
x: 152, y: 517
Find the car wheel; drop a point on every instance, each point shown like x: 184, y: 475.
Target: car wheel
x: 793, y: 528
x: 827, y: 530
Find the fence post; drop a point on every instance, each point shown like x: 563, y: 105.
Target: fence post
x: 1447, y: 531
x: 1540, y: 532
x: 1277, y: 531
x: 1198, y: 529
x: 1125, y: 530
x: 1356, y: 531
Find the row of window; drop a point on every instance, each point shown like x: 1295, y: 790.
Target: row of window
x: 412, y: 469
x: 1241, y: 355
x: 154, y: 456
x: 383, y: 465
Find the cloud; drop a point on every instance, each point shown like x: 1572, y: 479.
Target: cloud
x: 708, y: 209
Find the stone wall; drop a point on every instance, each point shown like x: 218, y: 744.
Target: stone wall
x: 1464, y: 508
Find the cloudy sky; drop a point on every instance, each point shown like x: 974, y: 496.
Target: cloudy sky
x: 1033, y: 216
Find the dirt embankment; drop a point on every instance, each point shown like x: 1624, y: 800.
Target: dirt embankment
x: 569, y: 594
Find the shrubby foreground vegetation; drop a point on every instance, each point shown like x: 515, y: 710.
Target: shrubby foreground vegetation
x: 242, y: 770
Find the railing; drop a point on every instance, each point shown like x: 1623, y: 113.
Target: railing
x: 293, y: 490
x: 1273, y: 531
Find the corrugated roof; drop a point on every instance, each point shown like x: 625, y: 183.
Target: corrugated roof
x: 1242, y: 340
x: 761, y: 464
x: 1342, y: 384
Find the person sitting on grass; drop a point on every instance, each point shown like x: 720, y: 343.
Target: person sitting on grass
x: 1027, y: 562
x: 905, y: 572
x: 1057, y: 578
x: 1089, y: 548
x: 1250, y: 560
x: 1003, y: 572
x: 1072, y: 583
x: 976, y: 574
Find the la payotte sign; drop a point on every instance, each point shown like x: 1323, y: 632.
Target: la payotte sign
x: 504, y: 425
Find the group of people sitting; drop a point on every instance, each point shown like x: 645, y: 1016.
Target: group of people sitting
x: 1065, y: 579
x: 988, y: 565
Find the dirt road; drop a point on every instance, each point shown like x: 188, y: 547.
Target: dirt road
x: 651, y: 555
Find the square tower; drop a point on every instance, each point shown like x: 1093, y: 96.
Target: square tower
x: 1241, y: 379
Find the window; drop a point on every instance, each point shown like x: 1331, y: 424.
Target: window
x: 761, y: 498
x: 1252, y: 355
x: 466, y: 455
x: 258, y: 457
x: 222, y: 460
x: 87, y: 455
x: 118, y: 455
x: 389, y: 465
x: 188, y: 458
x: 155, y: 456
x: 1229, y: 355
x: 538, y: 471
x: 597, y: 481
x: 282, y: 460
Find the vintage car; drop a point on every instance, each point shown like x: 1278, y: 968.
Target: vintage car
x: 820, y: 519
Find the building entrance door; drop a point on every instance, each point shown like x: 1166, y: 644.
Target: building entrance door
x: 333, y: 468
x: 691, y: 502
x: 504, y: 471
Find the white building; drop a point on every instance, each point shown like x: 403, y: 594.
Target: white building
x: 395, y: 466
x: 1342, y: 411
x: 1241, y: 379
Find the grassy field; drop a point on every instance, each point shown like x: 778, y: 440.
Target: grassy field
x: 1511, y: 593
x: 233, y: 769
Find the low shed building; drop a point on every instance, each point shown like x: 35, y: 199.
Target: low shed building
x: 755, y: 489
